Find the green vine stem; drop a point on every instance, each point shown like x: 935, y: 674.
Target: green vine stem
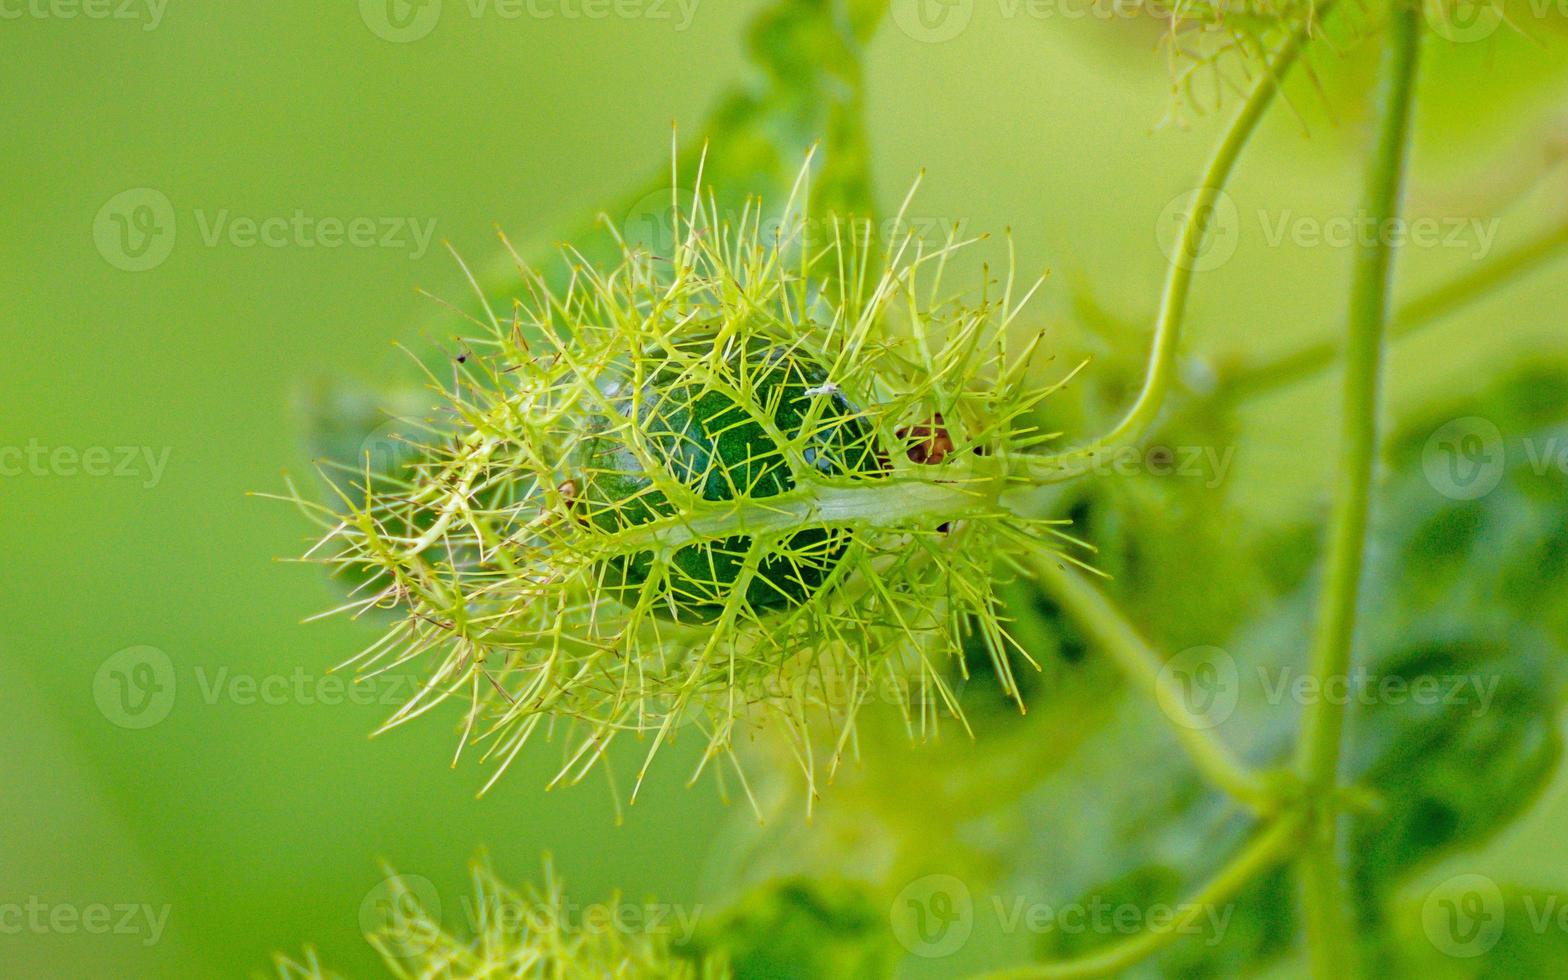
x: 1178, y: 279
x: 1415, y: 315
x: 1332, y: 952
x: 1278, y: 840
x: 1120, y: 640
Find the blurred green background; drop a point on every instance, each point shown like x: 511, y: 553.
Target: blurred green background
x: 259, y: 825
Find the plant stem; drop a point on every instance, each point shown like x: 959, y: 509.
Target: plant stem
x: 1178, y: 278
x: 1332, y: 953
x: 1278, y: 839
x: 1418, y: 313
x: 1121, y: 641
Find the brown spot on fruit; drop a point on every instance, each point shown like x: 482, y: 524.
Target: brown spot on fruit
x: 929, y: 442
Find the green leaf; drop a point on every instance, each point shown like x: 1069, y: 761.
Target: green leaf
x: 1468, y: 927
x: 800, y: 929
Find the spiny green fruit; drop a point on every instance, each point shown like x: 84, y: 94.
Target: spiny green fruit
x: 727, y: 427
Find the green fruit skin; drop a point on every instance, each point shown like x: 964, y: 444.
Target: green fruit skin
x: 705, y: 439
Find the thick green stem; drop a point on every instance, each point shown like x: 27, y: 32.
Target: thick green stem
x: 1332, y: 952
x: 1273, y: 844
x: 1120, y: 640
x: 951, y: 493
x: 1178, y: 279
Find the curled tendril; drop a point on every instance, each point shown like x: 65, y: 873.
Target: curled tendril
x: 764, y: 477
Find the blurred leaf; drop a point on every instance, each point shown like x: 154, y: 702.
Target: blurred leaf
x: 1468, y: 927
x: 1456, y: 590
x: 800, y: 929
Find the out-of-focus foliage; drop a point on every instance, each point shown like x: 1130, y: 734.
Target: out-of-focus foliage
x: 800, y: 929
x: 1088, y: 797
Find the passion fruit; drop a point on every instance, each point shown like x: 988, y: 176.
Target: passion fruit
x: 728, y: 434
